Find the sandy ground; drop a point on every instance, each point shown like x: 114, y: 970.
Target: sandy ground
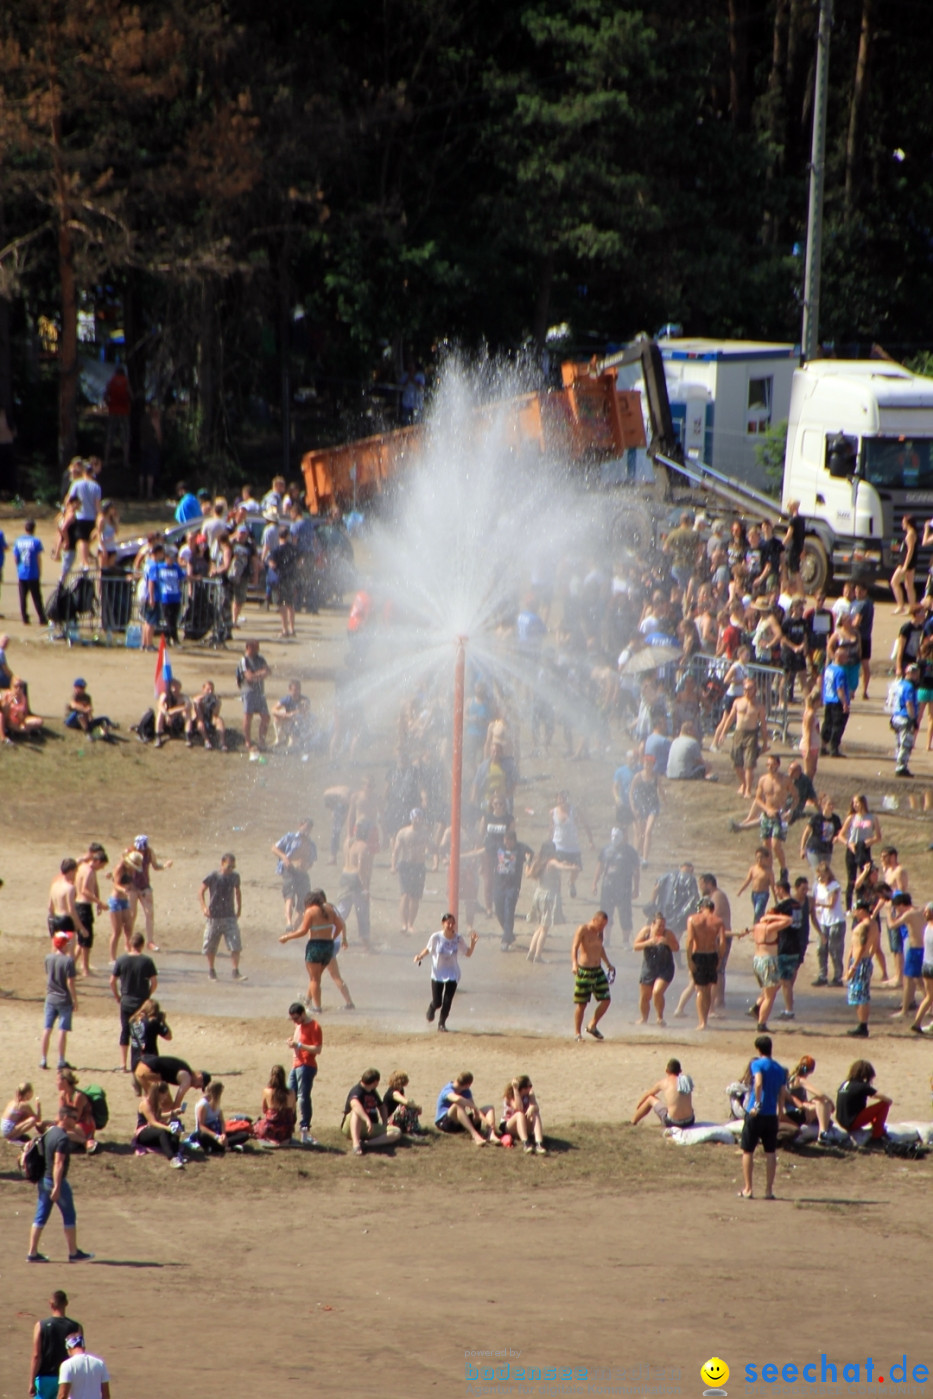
x: 635, y: 1253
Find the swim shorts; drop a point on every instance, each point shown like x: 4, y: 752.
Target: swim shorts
x: 590, y: 981
x: 86, y: 913
x: 860, y: 984
x: 913, y: 961
x: 319, y: 950
x: 705, y: 968
x: 771, y: 828
x: 668, y: 1121
x: 766, y: 971
x: 60, y: 924
x: 411, y: 878
x: 787, y: 964
x: 760, y: 1128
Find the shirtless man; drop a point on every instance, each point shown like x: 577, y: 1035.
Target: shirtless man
x: 587, y: 955
x: 765, y: 963
x: 354, y: 881
x: 87, y: 898
x: 761, y: 879
x: 771, y: 796
x: 410, y: 852
x: 751, y: 735
x: 902, y: 914
x: 671, y: 1098
x: 62, y: 914
x: 895, y: 875
x: 866, y: 938
x: 364, y: 806
x: 705, y: 945
x: 709, y: 889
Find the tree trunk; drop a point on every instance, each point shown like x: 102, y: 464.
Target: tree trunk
x: 857, y: 105
x: 207, y: 415
x: 134, y: 339
x: 738, y: 63
x: 68, y: 343
x: 776, y: 117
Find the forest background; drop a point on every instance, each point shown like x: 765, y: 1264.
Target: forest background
x: 282, y: 206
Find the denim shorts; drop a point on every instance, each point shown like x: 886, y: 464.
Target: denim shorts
x: 62, y: 1014
x: 66, y: 1203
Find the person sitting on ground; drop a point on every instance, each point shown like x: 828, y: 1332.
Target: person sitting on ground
x: 804, y: 1104
x: 671, y: 1098
x: 15, y: 714
x: 521, y: 1115
x: 403, y: 1113
x: 158, y: 1126
x: 209, y: 1132
x: 82, y: 1129
x: 291, y: 718
x: 685, y: 759
x: 20, y: 1117
x: 79, y: 713
x: 277, y: 1115
x: 205, y: 714
x: 457, y: 1112
x: 365, y: 1116
x: 852, y: 1106
x: 163, y: 1068
x: 147, y: 1026
x: 174, y: 715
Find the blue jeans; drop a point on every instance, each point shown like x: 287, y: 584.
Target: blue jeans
x: 65, y: 1203
x: 300, y: 1082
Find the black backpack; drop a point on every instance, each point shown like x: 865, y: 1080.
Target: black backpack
x: 146, y: 728
x: 32, y: 1160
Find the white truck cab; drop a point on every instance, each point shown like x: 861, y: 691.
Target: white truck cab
x: 859, y: 457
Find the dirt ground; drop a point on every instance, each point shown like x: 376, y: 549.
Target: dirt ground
x: 617, y: 1251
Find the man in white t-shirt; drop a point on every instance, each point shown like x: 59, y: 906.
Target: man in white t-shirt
x: 85, y: 493
x: 82, y: 1376
x: 444, y: 948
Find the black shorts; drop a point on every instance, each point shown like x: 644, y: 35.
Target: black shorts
x: 83, y: 529
x: 296, y: 885
x: 411, y: 878
x: 759, y: 1128
x: 60, y: 924
x: 86, y: 913
x: 705, y: 968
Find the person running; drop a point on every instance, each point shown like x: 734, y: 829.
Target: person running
x: 671, y: 1098
x: 546, y: 869
x: 324, y: 929
x: 768, y: 1100
x: 657, y: 945
x: 444, y: 948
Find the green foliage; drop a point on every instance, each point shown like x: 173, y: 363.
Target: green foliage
x: 770, y: 449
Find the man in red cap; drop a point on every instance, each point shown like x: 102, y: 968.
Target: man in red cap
x: 61, y: 997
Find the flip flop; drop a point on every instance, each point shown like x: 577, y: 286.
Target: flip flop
x: 597, y: 1034
x: 742, y: 1195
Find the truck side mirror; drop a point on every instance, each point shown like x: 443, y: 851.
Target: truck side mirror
x: 841, y: 455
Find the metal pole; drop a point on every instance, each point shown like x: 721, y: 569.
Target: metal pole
x: 456, y: 780
x: 810, y: 333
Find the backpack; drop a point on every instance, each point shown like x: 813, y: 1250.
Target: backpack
x: 61, y: 605
x: 146, y: 728
x: 98, y: 1101
x: 32, y: 1160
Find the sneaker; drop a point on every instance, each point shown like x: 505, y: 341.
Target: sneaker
x: 239, y: 976
x: 825, y: 1139
x: 177, y: 1163
x: 917, y: 1029
x: 903, y: 772
x: 820, y: 981
x: 540, y: 1149
x: 837, y: 982
x: 36, y: 1258
x: 79, y: 1256
x: 43, y: 1063
x: 859, y: 1033
x: 786, y: 1015
x: 308, y: 1140
x: 752, y: 1012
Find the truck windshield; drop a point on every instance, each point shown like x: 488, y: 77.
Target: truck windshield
x: 893, y: 462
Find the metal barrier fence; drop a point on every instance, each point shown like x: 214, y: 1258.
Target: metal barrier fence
x: 772, y: 687
x: 96, y: 608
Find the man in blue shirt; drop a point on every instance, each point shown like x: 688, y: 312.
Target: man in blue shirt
x: 904, y: 719
x: 188, y: 507
x: 26, y: 552
x: 836, y: 699
x: 769, y: 1089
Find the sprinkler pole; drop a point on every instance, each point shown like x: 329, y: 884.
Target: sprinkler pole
x: 456, y: 781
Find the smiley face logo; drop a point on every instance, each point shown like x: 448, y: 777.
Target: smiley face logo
x: 714, y: 1373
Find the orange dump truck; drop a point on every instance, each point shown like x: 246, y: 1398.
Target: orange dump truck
x: 586, y: 420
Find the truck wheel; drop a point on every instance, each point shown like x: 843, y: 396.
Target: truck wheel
x: 814, y: 566
x: 633, y: 530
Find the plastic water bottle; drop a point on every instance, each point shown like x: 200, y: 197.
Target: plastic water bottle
x: 134, y: 636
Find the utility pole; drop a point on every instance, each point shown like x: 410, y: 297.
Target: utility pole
x: 810, y: 334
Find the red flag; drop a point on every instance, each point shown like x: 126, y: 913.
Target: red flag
x: 163, y: 670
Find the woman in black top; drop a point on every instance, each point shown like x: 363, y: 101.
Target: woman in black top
x: 819, y: 834
x: 852, y: 1106
x: 157, y: 1127
x: 147, y: 1026
x: 903, y: 576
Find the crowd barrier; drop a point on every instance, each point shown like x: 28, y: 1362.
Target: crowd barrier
x: 107, y: 609
x: 771, y: 687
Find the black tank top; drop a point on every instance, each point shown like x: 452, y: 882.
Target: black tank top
x: 52, y: 1333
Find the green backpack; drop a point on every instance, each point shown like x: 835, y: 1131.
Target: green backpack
x: 99, y: 1109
